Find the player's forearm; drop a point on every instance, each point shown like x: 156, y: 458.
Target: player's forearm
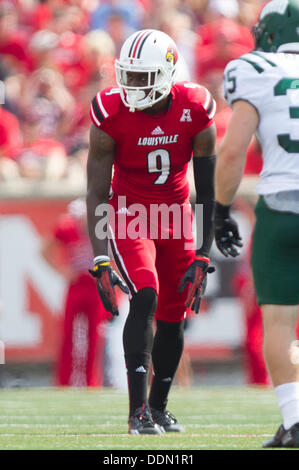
x: 228, y: 175
x: 205, y: 231
x: 203, y: 168
x: 99, y: 172
x: 231, y: 156
x: 97, y: 221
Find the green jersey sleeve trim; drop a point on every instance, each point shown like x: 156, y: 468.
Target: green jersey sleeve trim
x: 256, y: 66
x: 264, y: 58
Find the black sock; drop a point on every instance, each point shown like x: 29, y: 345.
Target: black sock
x: 137, y: 374
x: 138, y: 342
x: 166, y: 354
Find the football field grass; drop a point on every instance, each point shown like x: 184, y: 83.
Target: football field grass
x: 215, y: 418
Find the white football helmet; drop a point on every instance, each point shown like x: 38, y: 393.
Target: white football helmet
x: 148, y: 52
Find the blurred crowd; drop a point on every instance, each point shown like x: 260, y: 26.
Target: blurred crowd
x: 56, y: 54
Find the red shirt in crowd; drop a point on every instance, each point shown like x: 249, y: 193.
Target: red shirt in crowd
x: 15, y: 47
x: 73, y: 234
x: 9, y: 134
x: 220, y: 42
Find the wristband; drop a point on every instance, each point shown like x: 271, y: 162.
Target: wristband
x: 221, y: 210
x: 101, y: 259
x: 203, y: 258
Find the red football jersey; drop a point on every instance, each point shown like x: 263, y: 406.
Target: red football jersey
x: 73, y: 234
x: 153, y: 151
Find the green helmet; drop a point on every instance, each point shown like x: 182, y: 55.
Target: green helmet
x: 278, y: 24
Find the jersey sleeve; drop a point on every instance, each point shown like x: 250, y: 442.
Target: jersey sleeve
x: 202, y: 104
x: 104, y: 109
x: 243, y: 80
x: 208, y: 107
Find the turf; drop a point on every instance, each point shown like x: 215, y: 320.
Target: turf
x: 215, y: 418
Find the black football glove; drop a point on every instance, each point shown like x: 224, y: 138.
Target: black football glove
x: 107, y: 279
x: 227, y: 236
x: 196, y: 274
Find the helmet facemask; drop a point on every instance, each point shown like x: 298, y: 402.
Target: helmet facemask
x: 156, y: 85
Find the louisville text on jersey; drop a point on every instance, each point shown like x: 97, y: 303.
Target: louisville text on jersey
x: 161, y: 140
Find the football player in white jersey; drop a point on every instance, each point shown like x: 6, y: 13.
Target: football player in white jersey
x: 262, y: 88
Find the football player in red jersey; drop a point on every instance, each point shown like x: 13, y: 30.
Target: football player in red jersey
x: 147, y: 131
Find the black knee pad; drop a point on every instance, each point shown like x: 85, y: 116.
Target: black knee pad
x: 138, y: 332
x: 145, y: 301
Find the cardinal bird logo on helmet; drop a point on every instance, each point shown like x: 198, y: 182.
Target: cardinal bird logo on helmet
x: 172, y: 55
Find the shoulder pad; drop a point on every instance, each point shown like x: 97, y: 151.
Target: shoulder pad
x: 199, y: 97
x: 105, y: 105
x: 259, y: 61
x: 244, y: 78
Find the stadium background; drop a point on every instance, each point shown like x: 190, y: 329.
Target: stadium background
x: 54, y: 56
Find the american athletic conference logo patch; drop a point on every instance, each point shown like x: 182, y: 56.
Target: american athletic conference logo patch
x: 186, y: 115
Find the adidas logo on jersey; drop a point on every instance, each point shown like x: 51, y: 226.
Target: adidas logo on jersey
x: 157, y: 131
x: 123, y: 210
x: 140, y: 369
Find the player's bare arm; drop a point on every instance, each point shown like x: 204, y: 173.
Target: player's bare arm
x: 229, y: 171
x: 99, y: 172
x: 204, y: 142
x: 231, y: 156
